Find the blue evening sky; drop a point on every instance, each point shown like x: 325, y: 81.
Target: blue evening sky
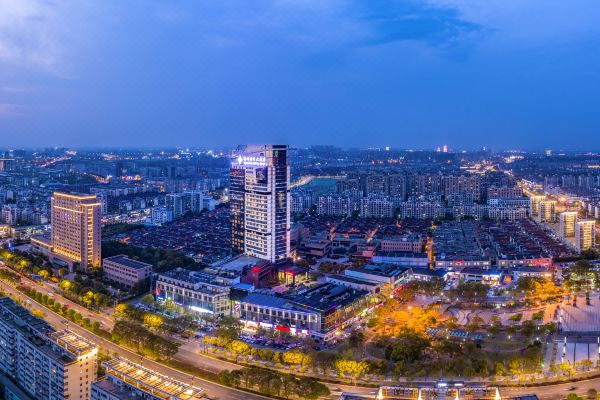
x: 410, y: 74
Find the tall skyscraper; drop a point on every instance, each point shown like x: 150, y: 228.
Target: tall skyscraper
x: 585, y: 235
x: 567, y: 222
x: 260, y: 202
x: 76, y: 228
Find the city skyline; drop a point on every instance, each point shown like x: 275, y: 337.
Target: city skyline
x: 402, y: 74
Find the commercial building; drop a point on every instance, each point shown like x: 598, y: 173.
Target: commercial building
x: 47, y: 364
x: 76, y: 229
x: 585, y: 235
x: 383, y: 274
x: 260, y: 202
x: 412, y: 243
x: 438, y: 390
x: 125, y: 271
x: 567, y: 220
x: 317, y: 312
x: 126, y: 380
x: 197, y: 290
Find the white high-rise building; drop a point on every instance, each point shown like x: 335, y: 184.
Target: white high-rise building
x: 260, y: 201
x: 46, y: 364
x: 585, y: 235
x: 567, y: 222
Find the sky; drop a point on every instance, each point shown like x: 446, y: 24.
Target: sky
x: 203, y: 73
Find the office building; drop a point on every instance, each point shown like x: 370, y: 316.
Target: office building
x: 46, y: 364
x: 76, y: 229
x: 567, y: 222
x: 126, y: 272
x: 126, y: 380
x: 585, y: 235
x: 259, y: 192
x: 199, y: 291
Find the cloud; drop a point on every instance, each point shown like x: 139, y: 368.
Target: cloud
x: 43, y: 35
x: 406, y: 20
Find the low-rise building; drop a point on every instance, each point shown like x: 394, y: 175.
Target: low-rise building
x: 474, y: 274
x: 197, y: 290
x: 125, y: 271
x: 412, y: 243
x: 317, y: 312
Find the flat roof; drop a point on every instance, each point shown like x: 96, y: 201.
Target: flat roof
x: 150, y: 381
x: 238, y: 263
x: 74, y: 343
x: 128, y: 262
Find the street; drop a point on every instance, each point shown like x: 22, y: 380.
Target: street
x: 213, y: 390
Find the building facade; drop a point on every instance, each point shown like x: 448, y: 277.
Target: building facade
x: 76, y: 228
x: 260, y: 197
x: 46, y: 364
x: 124, y: 271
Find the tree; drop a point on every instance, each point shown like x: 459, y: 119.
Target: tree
x: 474, y: 324
x: 230, y: 328
x: 122, y: 310
x: 237, y: 347
x: 592, y: 394
x: 44, y: 274
x: 528, y: 328
x: 62, y: 272
x: 147, y: 299
x: 495, y: 325
x: 153, y: 321
x: 355, y: 368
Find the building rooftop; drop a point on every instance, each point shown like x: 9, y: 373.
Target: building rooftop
x: 74, y: 343
x: 128, y: 262
x: 326, y: 296
x: 385, y: 270
x: 150, y: 381
x: 238, y: 263
x: 116, y: 390
x: 22, y: 315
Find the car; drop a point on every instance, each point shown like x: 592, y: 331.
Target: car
x: 571, y: 388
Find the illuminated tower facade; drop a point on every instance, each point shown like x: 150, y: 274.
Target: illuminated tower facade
x: 76, y: 228
x: 260, y: 201
x: 567, y: 222
x: 585, y: 235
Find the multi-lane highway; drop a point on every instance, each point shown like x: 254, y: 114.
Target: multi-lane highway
x: 217, y: 391
x: 213, y: 390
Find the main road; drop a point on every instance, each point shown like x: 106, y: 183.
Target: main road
x: 212, y: 389
x: 217, y: 391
